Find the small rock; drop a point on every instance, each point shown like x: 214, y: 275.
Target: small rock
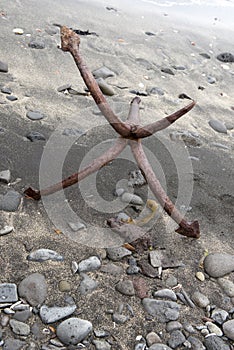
x: 219, y: 264
x: 173, y: 326
x: 156, y: 91
x: 8, y: 293
x: 11, y: 98
x: 228, y: 328
x: 5, y: 176
x: 55, y: 313
x: 219, y: 316
x: 112, y: 269
x: 147, y: 269
x: 138, y: 93
x: 73, y: 132
x: 195, y: 343
x: 73, y: 330
x: 125, y: 287
x: 211, y: 80
x: 150, y: 33
x: 122, y: 217
x: 36, y: 44
x: 64, y: 286
x: 136, y: 178
x: 35, y: 136
x: 218, y: 126
x: 163, y: 311
x: 103, y: 72
x: 205, y: 55
x: 10, y: 201
x: 155, y: 258
x: 165, y: 294
x: 6, y: 230
x: 159, y: 347
x: 213, y: 342
x: 90, y: 264
x: 23, y: 315
x: 13, y: 344
x: 225, y: 57
x: 101, y: 344
x: 19, y: 328
x: 87, y: 285
x: 227, y: 286
x: 171, y: 281
x: 152, y: 338
x: 35, y: 115
x: 118, y: 192
x: 200, y: 299
x: 3, y: 67
x: 119, y: 318
x: 100, y: 333
x: 76, y: 226
x: 167, y: 71
x: 43, y: 254
x: 105, y: 88
x: 33, y: 288
x: 64, y: 87
x: 131, y: 199
x: 116, y: 254
x: 200, y: 276
x: 184, y: 96
x: 18, y: 31
x: 133, y: 270
x: 6, y: 90
x: 176, y: 339
x: 214, y: 329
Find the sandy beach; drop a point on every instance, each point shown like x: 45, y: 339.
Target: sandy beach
x: 166, y: 56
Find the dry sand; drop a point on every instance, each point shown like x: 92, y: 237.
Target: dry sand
x: 137, y: 59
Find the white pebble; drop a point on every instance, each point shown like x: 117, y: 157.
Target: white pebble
x: 200, y: 276
x: 18, y: 31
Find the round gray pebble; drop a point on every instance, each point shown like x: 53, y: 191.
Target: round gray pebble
x: 73, y: 330
x: 33, y: 288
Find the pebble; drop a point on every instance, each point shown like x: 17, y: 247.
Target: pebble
x: 64, y: 87
x: 19, y: 328
x: 200, y: 299
x: 36, y: 44
x: 33, y: 288
x: 219, y: 316
x: 55, y: 313
x: 159, y: 347
x: 212, y: 342
x: 101, y: 344
x: 173, y: 326
x: 6, y: 230
x: 90, y: 264
x: 10, y: 201
x: 35, y: 115
x: 11, y: 98
x: 226, y: 57
x: 111, y: 269
x: 165, y: 294
x: 103, y: 72
x: 155, y: 258
x: 131, y: 199
x: 205, y: 55
x: 152, y: 338
x: 176, y: 339
x: 13, y: 344
x: 5, y: 176
x: 156, y: 91
x: 44, y: 254
x: 87, y: 284
x: 171, y: 281
x: 125, y: 287
x: 100, y: 333
x: 76, y: 226
x: 195, y: 343
x: 219, y: 264
x: 73, y: 330
x: 122, y: 217
x: 211, y: 80
x: 6, y: 90
x: 35, y: 136
x: 119, y: 318
x: 163, y: 311
x: 218, y: 126
x: 64, y: 286
x: 214, y: 329
x: 118, y: 192
x: 167, y: 71
x: 117, y: 254
x: 147, y: 269
x: 200, y: 276
x: 227, y: 286
x: 22, y: 316
x: 179, y: 67
x: 105, y: 88
x: 3, y: 67
x: 228, y: 328
x: 8, y: 293
x: 18, y: 31
x: 136, y: 178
